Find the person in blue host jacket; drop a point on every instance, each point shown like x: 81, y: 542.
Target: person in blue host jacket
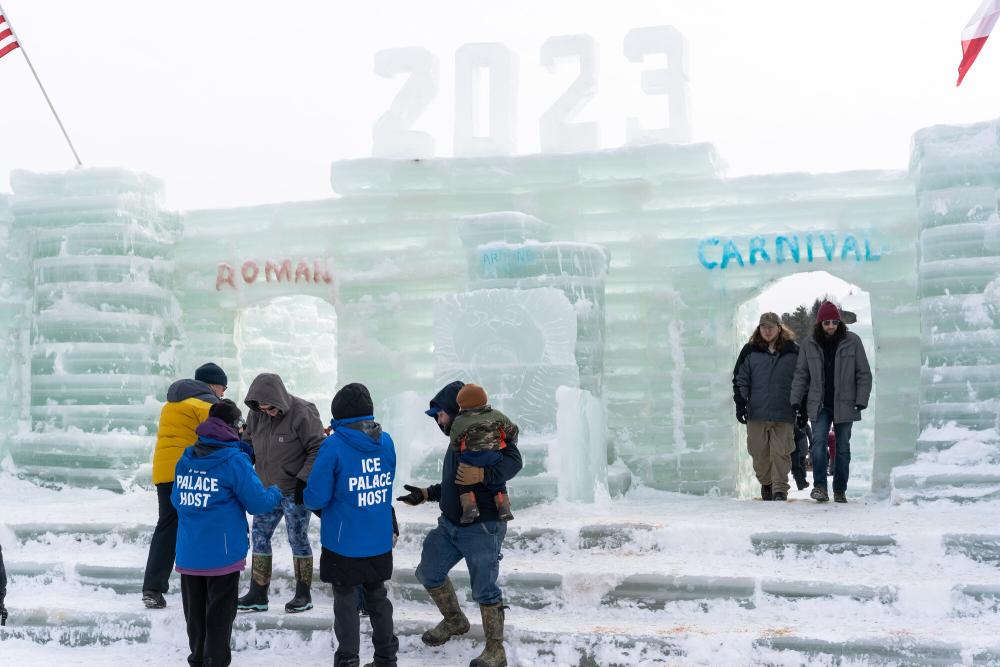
x: 214, y: 488
x: 350, y: 483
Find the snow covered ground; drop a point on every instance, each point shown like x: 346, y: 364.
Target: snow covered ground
x: 654, y: 578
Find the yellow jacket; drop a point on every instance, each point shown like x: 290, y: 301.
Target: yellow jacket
x: 188, y: 402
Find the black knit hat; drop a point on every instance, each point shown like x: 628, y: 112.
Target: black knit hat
x: 225, y: 410
x: 353, y: 400
x: 211, y: 374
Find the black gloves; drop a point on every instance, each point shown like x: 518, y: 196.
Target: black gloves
x: 801, y: 418
x: 3, y: 615
x: 415, y: 496
x: 741, y: 414
x: 859, y: 408
x: 300, y: 487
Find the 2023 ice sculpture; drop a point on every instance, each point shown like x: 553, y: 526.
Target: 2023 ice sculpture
x: 621, y: 269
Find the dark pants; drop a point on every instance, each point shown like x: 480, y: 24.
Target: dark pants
x: 209, y: 609
x: 799, y: 454
x: 347, y: 627
x: 821, y: 453
x: 162, y: 549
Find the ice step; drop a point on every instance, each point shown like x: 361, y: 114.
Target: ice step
x: 883, y: 651
x: 524, y: 590
x: 980, y: 548
x: 832, y: 543
x: 580, y: 641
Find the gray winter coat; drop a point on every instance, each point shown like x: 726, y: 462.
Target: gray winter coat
x: 852, y: 382
x: 285, y: 446
x: 764, y: 382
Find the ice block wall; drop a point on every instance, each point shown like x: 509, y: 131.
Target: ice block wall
x: 100, y: 282
x: 687, y: 247
x: 956, y: 170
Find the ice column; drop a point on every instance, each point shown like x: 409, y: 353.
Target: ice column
x: 582, y: 430
x: 102, y: 321
x: 14, y: 313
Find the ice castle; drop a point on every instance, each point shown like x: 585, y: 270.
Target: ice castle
x: 613, y: 273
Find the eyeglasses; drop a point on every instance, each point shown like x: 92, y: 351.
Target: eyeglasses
x: 828, y: 323
x: 239, y: 424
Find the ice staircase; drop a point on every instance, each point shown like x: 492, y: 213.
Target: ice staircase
x: 953, y: 463
x: 654, y: 578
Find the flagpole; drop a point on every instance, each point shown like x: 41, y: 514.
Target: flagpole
x: 20, y: 44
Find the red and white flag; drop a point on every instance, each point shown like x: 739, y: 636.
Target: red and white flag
x: 7, y: 41
x: 975, y: 34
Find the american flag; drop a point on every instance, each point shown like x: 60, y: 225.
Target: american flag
x: 7, y: 41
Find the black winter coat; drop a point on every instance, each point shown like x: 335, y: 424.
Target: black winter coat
x: 762, y: 382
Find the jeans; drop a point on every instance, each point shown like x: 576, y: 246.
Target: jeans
x: 347, y: 626
x: 296, y: 525
x: 163, y: 548
x: 210, y: 609
x: 478, y: 543
x: 821, y: 455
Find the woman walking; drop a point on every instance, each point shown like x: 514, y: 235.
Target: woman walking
x: 762, y: 384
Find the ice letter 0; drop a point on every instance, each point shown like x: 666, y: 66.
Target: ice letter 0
x: 470, y: 61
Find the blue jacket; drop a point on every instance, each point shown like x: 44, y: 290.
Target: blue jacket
x: 351, y: 481
x: 214, y: 488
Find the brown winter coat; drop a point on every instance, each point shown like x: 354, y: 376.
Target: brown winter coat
x: 285, y: 446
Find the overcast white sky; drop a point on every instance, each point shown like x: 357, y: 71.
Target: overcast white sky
x: 249, y: 102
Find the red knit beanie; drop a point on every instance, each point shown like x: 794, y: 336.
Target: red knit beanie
x: 827, y: 311
x: 471, y: 396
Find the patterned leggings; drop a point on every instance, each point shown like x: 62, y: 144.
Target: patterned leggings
x: 296, y: 525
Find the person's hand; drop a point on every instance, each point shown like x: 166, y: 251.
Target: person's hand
x: 395, y: 538
x: 415, y: 496
x: 300, y: 487
x: 801, y: 419
x: 3, y: 615
x: 741, y: 414
x: 468, y: 475
x: 859, y: 408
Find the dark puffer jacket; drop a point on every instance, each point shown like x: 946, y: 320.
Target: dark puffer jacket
x: 285, y: 446
x: 762, y: 381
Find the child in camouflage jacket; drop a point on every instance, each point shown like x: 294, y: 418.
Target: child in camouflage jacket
x: 479, y: 433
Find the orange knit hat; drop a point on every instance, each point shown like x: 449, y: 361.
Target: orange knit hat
x: 471, y: 396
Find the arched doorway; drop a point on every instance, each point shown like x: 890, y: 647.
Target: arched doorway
x: 784, y: 296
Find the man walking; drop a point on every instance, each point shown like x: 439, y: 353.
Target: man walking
x: 833, y: 374
x: 479, y: 542
x: 187, y: 406
x: 285, y: 432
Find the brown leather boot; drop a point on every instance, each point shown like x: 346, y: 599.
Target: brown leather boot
x: 493, y: 655
x: 454, y: 623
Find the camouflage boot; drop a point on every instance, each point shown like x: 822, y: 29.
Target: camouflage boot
x: 303, y: 585
x: 454, y: 623
x: 493, y: 655
x: 260, y: 581
x: 470, y: 510
x: 503, y: 506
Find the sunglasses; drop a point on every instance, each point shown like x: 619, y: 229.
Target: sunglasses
x: 831, y: 322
